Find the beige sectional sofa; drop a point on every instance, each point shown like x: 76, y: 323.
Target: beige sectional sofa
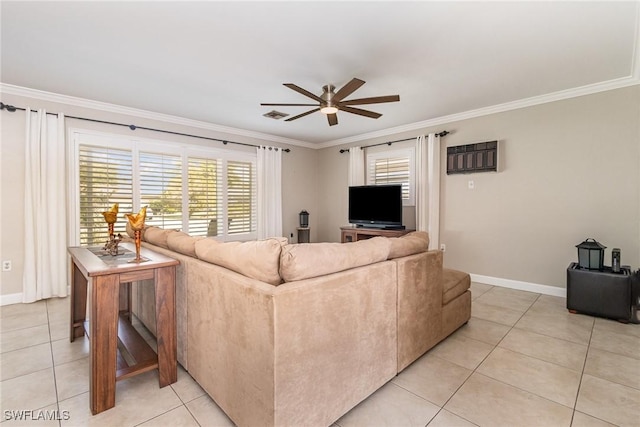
x: 298, y: 334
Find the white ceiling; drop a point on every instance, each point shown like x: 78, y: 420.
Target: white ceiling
x: 216, y: 62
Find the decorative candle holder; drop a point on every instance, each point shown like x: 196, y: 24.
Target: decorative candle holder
x: 111, y: 216
x: 136, y: 221
x: 137, y: 238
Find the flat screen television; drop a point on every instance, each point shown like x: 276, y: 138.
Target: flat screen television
x: 378, y: 206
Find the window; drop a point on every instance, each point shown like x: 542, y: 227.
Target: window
x: 161, y: 189
x: 204, y: 207
x: 104, y: 178
x: 208, y: 192
x: 241, y: 198
x: 393, y: 167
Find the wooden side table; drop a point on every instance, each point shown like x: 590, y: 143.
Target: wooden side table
x: 353, y: 234
x: 117, y: 351
x: 304, y: 235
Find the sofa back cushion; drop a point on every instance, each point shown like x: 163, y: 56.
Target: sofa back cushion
x: 409, y: 244
x: 307, y: 260
x: 183, y: 243
x: 157, y: 236
x: 256, y: 259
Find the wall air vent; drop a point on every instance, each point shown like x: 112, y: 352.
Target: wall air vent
x: 276, y: 115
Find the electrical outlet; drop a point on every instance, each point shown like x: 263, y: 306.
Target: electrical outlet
x: 471, y: 184
x: 6, y: 265
x: 443, y: 247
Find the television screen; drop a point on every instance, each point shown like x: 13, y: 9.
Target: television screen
x: 376, y: 206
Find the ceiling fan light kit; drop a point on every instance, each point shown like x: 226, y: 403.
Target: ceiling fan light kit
x: 329, y: 110
x: 330, y: 102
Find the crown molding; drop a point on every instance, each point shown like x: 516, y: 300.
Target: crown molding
x: 119, y: 109
x: 485, y: 111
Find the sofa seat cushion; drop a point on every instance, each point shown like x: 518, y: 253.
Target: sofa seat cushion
x: 409, y: 244
x: 307, y: 260
x: 454, y: 284
x: 258, y: 259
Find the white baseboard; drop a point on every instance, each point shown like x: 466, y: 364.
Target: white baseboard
x: 522, y: 286
x: 17, y: 298
x: 10, y: 299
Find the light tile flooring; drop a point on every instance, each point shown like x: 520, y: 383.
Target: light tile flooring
x: 522, y: 360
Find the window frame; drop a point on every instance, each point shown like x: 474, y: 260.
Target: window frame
x: 401, y: 152
x: 136, y: 145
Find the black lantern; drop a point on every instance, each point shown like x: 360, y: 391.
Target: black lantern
x: 304, y: 219
x: 591, y: 255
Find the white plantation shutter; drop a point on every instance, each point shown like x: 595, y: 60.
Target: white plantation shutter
x: 205, y: 197
x: 241, y: 197
x: 105, y: 178
x: 161, y: 189
x: 393, y: 167
x: 204, y: 192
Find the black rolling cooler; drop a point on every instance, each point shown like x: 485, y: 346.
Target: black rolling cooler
x: 600, y: 293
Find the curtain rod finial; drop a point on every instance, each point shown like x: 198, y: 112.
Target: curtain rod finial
x: 7, y: 107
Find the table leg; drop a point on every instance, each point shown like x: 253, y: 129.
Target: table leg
x: 125, y: 300
x: 103, y: 342
x: 78, y: 302
x: 165, y: 287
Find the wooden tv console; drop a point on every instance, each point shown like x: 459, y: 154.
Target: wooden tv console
x: 353, y: 234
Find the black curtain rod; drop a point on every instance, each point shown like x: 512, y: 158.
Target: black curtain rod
x: 12, y: 109
x: 346, y: 150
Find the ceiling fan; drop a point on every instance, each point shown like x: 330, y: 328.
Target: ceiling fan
x: 331, y: 102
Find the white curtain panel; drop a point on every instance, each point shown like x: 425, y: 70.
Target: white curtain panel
x: 433, y: 148
x: 356, y: 166
x: 269, y: 192
x: 45, y: 258
x: 428, y: 187
x: 422, y: 184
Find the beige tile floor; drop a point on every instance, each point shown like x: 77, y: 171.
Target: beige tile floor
x: 522, y: 360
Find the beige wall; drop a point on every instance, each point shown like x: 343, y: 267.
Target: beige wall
x: 572, y: 171
x: 299, y: 172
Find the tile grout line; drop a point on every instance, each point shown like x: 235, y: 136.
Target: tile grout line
x: 482, y: 361
x: 573, y: 409
x: 507, y: 384
x: 441, y: 408
x: 584, y: 364
x: 53, y: 364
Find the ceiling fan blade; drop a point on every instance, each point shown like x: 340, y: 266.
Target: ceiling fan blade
x: 372, y: 100
x: 302, y: 115
x: 303, y: 91
x: 347, y: 89
x: 361, y: 112
x: 333, y: 119
x: 289, y: 105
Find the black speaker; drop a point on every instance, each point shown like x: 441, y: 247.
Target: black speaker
x: 615, y: 260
